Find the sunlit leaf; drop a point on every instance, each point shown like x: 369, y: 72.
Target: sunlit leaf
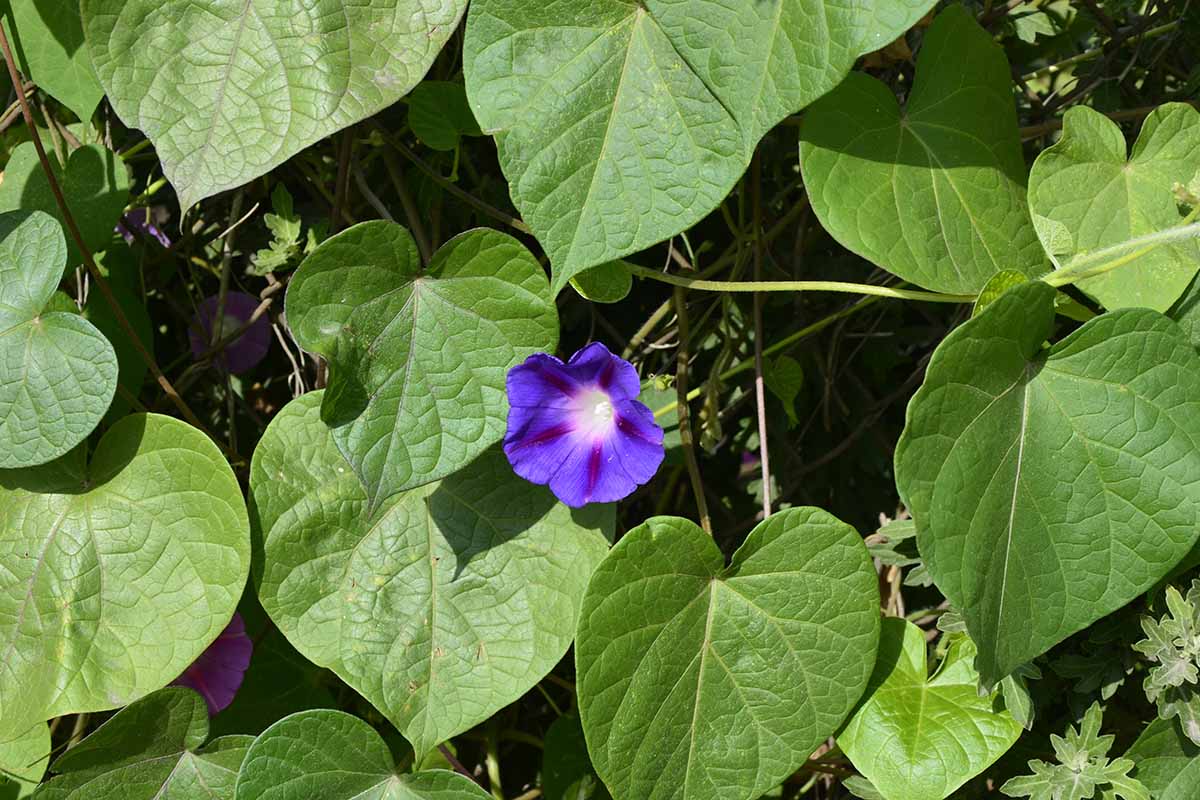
x: 23, y: 760
x: 47, y: 42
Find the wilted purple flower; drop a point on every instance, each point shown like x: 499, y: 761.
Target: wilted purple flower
x: 579, y: 426
x: 142, y: 221
x: 242, y: 353
x: 217, y: 674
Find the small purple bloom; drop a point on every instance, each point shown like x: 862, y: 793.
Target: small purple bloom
x: 579, y: 426
x: 217, y: 674
x: 244, y: 352
x: 142, y: 221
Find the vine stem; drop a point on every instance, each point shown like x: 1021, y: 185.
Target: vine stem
x: 760, y: 399
x: 799, y: 286
x: 685, y: 416
x: 88, y: 260
x: 1124, y: 253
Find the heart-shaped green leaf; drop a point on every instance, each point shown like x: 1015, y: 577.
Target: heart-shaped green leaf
x: 1051, y: 486
x: 1085, y: 195
x: 95, y: 182
x: 918, y: 737
x: 418, y: 358
x: 58, y: 373
x: 151, y: 750
x: 47, y: 42
x: 936, y: 193
x: 707, y: 682
x: 439, y: 114
x: 441, y: 607
x: 227, y: 91
x: 334, y: 756
x: 118, y: 573
x: 23, y: 760
x: 620, y: 124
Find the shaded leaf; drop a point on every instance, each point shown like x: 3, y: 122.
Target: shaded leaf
x: 439, y: 115
x: 47, y: 42
x: 567, y: 772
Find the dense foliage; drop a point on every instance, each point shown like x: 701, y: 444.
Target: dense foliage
x: 585, y: 399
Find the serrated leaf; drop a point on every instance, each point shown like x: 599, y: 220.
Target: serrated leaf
x: 1051, y: 486
x: 440, y: 607
x: 284, y: 225
x: 118, y: 573
x: 567, y: 772
x: 1086, y: 184
x: 153, y: 749
x: 1168, y: 764
x: 95, y: 182
x: 723, y: 684
x: 23, y: 759
x: 935, y: 193
x: 620, y: 124
x: 228, y: 91
x: 418, y: 358
x: 48, y: 45
x: 333, y: 756
x: 918, y: 737
x: 439, y: 115
x: 58, y: 373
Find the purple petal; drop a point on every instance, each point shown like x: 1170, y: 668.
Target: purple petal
x: 217, y: 674
x: 573, y: 426
x: 141, y: 220
x: 249, y: 348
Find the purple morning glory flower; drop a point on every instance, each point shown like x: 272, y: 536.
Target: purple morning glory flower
x: 249, y: 348
x: 142, y: 221
x: 217, y: 674
x: 579, y: 427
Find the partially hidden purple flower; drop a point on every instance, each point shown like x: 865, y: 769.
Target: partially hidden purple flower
x: 141, y: 220
x: 579, y: 427
x: 217, y: 674
x: 244, y: 352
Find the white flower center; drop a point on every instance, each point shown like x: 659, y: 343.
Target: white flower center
x: 595, y: 411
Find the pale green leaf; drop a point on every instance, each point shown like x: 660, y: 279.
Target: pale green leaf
x: 23, y: 760
x: 58, y: 373
x: 442, y: 606
x: 620, y: 123
x: 1051, y: 486
x: 918, y: 737
x: 228, y: 91
x: 117, y: 573
x: 935, y: 193
x: 995, y: 288
x: 1087, y: 185
x: 418, y: 357
x: 95, y: 182
x: 333, y: 756
x: 439, y: 115
x: 1168, y: 764
x: 284, y: 225
x: 48, y: 45
x: 722, y: 684
x: 151, y: 750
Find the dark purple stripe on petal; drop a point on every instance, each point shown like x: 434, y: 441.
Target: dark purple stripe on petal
x: 557, y: 432
x: 593, y: 468
x: 551, y: 376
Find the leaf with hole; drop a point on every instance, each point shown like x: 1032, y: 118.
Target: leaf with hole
x: 418, y: 357
x: 118, y: 572
x: 933, y: 193
x: 704, y: 681
x: 228, y: 91
x: 335, y: 756
x: 620, y: 124
x: 441, y: 606
x: 1086, y: 194
x: 1051, y: 486
x: 58, y: 374
x: 153, y: 749
x: 920, y: 737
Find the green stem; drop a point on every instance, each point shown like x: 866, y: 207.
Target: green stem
x: 1126, y: 252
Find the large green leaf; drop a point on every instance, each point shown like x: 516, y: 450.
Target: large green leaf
x: 418, y: 357
x: 701, y: 681
x: 934, y: 193
x: 1085, y: 195
x: 229, y: 90
x: 445, y: 604
x: 151, y: 750
x: 621, y: 123
x: 23, y: 760
x: 1051, y: 486
x: 95, y: 183
x: 47, y: 41
x: 116, y: 574
x: 333, y: 756
x: 58, y: 373
x: 1168, y: 764
x: 920, y: 737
